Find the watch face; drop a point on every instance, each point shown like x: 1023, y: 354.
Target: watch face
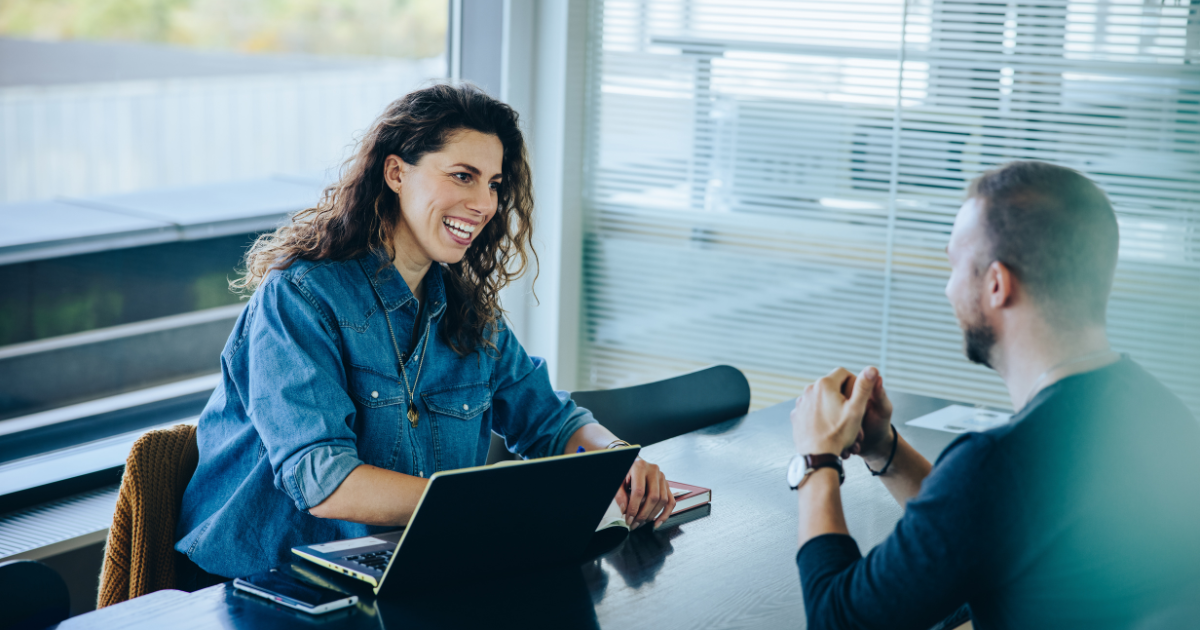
x: 796, y: 470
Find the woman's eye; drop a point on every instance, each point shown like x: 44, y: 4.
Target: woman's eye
x: 463, y: 177
x: 495, y: 186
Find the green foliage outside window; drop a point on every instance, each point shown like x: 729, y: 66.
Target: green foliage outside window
x: 388, y: 28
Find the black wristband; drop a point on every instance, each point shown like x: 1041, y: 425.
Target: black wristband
x: 895, y: 441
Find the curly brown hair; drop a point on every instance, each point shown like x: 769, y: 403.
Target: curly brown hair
x: 360, y: 213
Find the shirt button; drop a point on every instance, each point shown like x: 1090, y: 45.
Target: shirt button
x: 466, y: 407
x: 374, y: 394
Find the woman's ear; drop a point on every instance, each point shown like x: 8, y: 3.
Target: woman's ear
x: 393, y: 169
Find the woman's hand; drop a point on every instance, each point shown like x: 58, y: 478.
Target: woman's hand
x: 645, y: 495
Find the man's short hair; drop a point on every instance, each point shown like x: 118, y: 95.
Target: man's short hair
x: 1056, y: 231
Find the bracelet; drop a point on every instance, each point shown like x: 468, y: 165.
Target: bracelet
x: 895, y: 441
x: 617, y: 443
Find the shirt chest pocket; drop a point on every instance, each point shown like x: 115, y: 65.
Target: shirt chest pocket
x: 460, y: 433
x: 379, y: 401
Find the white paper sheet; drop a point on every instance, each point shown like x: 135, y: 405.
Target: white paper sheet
x: 613, y: 517
x: 961, y: 419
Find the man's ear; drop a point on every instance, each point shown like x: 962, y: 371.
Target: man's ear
x: 1001, y: 289
x: 393, y: 172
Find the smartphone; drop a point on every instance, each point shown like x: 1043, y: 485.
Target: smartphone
x: 282, y: 588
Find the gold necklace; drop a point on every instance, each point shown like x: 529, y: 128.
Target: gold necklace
x: 413, y: 416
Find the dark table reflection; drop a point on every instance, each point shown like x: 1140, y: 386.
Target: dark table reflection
x: 643, y: 554
x: 557, y: 598
x: 554, y: 598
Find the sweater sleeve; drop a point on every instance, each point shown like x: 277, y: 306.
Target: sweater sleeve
x: 943, y: 548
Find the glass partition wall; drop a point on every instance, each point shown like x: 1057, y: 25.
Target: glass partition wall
x: 771, y: 183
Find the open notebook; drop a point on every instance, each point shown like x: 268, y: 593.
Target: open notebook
x: 691, y: 502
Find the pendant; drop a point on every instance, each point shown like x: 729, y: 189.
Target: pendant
x: 412, y: 416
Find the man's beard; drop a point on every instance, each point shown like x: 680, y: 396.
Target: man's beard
x: 978, y: 339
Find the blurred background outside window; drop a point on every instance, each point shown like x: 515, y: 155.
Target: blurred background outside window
x: 143, y: 146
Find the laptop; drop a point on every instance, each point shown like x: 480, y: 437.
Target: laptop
x: 478, y: 522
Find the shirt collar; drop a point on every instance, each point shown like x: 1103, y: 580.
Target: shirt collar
x: 393, y: 291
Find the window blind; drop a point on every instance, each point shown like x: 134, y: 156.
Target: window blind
x: 771, y: 184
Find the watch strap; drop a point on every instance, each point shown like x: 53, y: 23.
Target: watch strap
x: 812, y: 463
x: 826, y: 460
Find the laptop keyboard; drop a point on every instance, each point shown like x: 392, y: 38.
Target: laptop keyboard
x: 377, y: 560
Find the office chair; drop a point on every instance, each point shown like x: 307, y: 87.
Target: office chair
x: 35, y: 596
x: 653, y: 412
x: 139, y: 557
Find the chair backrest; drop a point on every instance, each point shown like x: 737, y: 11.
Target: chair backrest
x: 653, y: 412
x: 140, y: 555
x: 35, y: 596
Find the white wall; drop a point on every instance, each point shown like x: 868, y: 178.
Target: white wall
x: 542, y: 70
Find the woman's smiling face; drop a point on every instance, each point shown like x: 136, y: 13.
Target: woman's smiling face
x: 446, y: 198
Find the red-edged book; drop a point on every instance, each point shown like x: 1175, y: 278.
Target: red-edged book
x: 691, y: 503
x: 687, y: 498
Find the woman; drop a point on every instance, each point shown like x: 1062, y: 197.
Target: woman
x: 372, y: 353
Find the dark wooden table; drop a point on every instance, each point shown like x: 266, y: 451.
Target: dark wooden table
x: 734, y: 568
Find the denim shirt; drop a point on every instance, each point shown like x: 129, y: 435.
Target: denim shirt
x: 311, y: 388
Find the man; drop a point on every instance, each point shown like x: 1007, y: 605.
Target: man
x: 1082, y: 512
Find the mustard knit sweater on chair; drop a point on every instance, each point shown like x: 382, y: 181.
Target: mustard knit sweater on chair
x: 140, y: 555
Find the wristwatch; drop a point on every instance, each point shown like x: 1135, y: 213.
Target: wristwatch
x: 802, y: 466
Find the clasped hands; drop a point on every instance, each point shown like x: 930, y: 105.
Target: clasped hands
x: 844, y: 414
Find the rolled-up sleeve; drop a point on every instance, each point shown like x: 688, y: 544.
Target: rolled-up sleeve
x: 297, y: 397
x: 534, y: 419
